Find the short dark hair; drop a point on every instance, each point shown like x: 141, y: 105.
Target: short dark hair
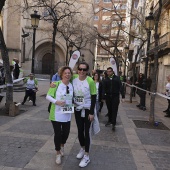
x: 84, y: 63
x: 110, y: 68
x: 62, y: 69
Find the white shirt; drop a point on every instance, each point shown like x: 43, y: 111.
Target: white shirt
x: 97, y: 89
x: 82, y: 89
x: 61, y: 95
x: 30, y: 84
x: 167, y: 87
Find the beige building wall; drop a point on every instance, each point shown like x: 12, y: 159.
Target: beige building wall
x: 164, y: 28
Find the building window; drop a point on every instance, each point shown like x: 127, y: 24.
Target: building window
x: 114, y: 32
x: 106, y: 1
x: 107, y: 10
x: 97, y: 1
x: 105, y: 42
x: 102, y: 51
x: 105, y: 35
x: 96, y: 10
x: 136, y: 4
x: 96, y: 26
x: 105, y: 26
x: 106, y: 18
x: 134, y: 22
x: 96, y: 17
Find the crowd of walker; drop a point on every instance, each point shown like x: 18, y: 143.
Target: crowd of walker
x: 84, y: 95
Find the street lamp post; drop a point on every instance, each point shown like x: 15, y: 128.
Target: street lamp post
x: 34, y: 22
x: 149, y: 22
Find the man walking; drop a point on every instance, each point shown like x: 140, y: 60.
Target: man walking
x: 111, y: 92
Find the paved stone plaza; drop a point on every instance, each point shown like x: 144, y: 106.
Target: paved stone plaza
x: 26, y: 141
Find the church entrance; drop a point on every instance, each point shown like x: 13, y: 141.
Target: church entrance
x: 46, y: 63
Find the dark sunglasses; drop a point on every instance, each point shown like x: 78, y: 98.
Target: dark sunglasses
x: 67, y: 90
x: 82, y: 69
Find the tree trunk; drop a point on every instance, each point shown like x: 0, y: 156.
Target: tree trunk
x: 154, y: 77
x: 134, y: 69
x: 8, y: 77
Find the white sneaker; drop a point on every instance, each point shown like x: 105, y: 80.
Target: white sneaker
x: 62, y: 151
x: 85, y: 161
x: 80, y: 154
x: 30, y: 100
x: 58, y: 159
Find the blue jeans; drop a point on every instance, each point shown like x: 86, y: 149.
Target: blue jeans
x: 97, y: 107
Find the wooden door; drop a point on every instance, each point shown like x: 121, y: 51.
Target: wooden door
x: 47, y: 63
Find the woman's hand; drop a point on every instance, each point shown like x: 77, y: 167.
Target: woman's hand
x: 91, y: 117
x: 60, y: 102
x: 52, y: 85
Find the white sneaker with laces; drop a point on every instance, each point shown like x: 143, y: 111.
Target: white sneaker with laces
x: 80, y: 154
x: 58, y: 159
x: 62, y: 151
x: 85, y: 161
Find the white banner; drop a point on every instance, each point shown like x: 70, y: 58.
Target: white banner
x: 113, y: 65
x: 74, y: 58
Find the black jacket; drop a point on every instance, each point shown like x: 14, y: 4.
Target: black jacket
x: 100, y: 91
x: 112, y: 87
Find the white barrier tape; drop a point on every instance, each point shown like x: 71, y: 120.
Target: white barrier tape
x: 17, y: 80
x: 14, y: 81
x: 159, y: 94
x: 139, y: 88
x: 9, y: 85
x: 162, y: 95
x: 2, y: 86
x: 42, y: 79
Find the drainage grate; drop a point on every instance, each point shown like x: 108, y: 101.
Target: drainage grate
x: 148, y: 125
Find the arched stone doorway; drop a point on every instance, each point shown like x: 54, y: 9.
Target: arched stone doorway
x: 47, y: 59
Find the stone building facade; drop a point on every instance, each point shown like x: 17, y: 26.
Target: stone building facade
x: 15, y: 21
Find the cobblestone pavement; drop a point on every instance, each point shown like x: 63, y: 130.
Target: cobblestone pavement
x: 26, y: 141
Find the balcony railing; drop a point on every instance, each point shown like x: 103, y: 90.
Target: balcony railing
x: 120, y: 1
x: 165, y: 4
x: 164, y: 43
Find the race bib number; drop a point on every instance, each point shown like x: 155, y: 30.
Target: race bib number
x: 79, y: 99
x: 67, y: 109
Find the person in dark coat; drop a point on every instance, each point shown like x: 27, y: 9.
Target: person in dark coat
x: 133, y: 89
x: 111, y: 93
x: 141, y: 84
x: 101, y: 102
x: 16, y: 69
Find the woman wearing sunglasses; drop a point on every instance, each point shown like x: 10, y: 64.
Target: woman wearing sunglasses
x: 84, y: 100
x: 61, y: 109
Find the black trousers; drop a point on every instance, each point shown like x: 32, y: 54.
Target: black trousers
x: 30, y: 93
x: 142, y: 100
x: 83, y: 126
x: 168, y: 105
x: 61, y: 133
x: 101, y: 106
x: 112, y: 103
